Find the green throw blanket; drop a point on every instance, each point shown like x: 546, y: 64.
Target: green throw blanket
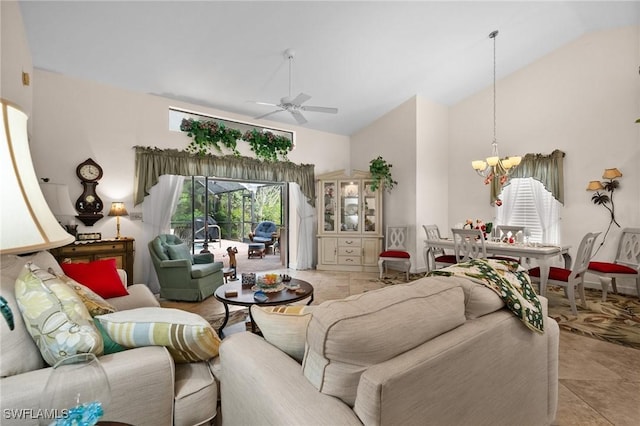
x: 508, y: 280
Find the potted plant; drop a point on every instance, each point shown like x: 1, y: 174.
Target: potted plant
x: 381, y: 174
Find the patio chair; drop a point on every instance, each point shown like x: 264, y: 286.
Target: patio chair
x: 266, y: 232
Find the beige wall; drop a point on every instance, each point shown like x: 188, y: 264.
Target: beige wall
x: 15, y: 57
x: 392, y: 136
x: 432, y: 177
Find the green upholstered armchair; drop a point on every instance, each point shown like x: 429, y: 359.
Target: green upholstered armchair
x: 182, y: 275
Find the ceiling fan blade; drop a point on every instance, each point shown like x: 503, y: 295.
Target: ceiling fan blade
x: 264, y: 103
x: 267, y: 114
x: 298, y: 116
x: 301, y: 98
x: 320, y: 109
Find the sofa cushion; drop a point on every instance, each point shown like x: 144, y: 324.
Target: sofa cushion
x: 196, y: 394
x: 18, y: 351
x: 55, y: 316
x: 100, y: 276
x: 94, y: 303
x: 179, y: 252
x: 345, y: 337
x: 200, y: 270
x: 478, y: 299
x: 285, y: 327
x: 187, y: 336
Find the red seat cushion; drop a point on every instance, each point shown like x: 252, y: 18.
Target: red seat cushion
x: 557, y: 274
x: 611, y: 268
x: 447, y: 258
x: 395, y: 253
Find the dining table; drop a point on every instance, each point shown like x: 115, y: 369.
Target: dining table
x: 542, y: 253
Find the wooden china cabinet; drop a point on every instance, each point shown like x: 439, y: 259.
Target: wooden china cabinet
x: 349, y: 222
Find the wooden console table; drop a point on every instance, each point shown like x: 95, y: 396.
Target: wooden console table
x: 121, y: 250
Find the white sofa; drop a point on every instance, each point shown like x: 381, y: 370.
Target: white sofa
x: 147, y: 387
x: 439, y: 351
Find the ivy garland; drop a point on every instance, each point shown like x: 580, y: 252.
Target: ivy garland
x: 208, y: 134
x: 381, y: 174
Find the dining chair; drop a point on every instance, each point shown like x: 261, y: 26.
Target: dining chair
x: 509, y: 231
x: 436, y: 256
x: 625, y: 265
x: 574, y: 277
x: 395, y: 249
x: 468, y: 244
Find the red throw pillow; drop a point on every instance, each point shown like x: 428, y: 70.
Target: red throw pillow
x: 100, y: 276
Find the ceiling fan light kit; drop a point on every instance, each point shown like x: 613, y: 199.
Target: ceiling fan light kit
x: 294, y: 105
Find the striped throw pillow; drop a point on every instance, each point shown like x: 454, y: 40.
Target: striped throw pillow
x: 187, y: 336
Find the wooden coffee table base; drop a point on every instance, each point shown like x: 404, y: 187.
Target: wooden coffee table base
x: 245, y: 298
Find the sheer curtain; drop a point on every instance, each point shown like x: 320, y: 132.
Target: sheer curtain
x: 305, y: 220
x: 548, y: 209
x: 157, y: 209
x: 504, y: 213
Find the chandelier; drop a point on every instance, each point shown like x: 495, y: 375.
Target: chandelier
x: 494, y: 167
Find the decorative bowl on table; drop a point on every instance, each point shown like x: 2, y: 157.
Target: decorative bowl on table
x: 268, y: 283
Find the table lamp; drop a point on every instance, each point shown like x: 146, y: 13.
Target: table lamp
x: 26, y: 222
x: 118, y: 209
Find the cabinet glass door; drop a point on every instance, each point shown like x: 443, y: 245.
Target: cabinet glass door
x: 329, y: 206
x: 350, y: 206
x: 370, y: 208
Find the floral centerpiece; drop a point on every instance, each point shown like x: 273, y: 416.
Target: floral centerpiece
x: 269, y: 281
x: 479, y: 224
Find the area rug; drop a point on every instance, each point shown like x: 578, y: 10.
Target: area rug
x: 617, y: 320
x: 210, y: 309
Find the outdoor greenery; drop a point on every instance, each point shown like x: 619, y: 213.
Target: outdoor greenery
x: 226, y: 208
x: 210, y: 135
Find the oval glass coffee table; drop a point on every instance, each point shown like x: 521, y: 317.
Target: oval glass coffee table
x: 245, y: 294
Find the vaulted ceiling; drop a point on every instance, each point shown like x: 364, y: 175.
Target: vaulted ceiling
x: 362, y: 57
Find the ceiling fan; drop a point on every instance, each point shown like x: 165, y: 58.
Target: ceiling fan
x: 294, y: 105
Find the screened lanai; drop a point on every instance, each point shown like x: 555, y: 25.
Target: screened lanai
x: 210, y: 210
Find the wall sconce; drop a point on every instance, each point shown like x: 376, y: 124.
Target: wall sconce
x: 118, y: 209
x: 610, y: 186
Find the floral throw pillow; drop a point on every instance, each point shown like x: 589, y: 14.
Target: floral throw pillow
x: 55, y: 316
x: 95, y: 304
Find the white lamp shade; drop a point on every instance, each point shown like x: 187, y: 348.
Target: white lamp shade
x: 57, y: 197
x: 27, y: 222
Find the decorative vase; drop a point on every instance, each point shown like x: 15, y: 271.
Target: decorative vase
x: 77, y: 392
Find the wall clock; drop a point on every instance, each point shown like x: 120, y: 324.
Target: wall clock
x: 89, y: 204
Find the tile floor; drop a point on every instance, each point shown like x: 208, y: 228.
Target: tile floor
x: 599, y: 381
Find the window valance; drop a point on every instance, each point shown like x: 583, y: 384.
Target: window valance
x: 548, y: 169
x: 151, y: 163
